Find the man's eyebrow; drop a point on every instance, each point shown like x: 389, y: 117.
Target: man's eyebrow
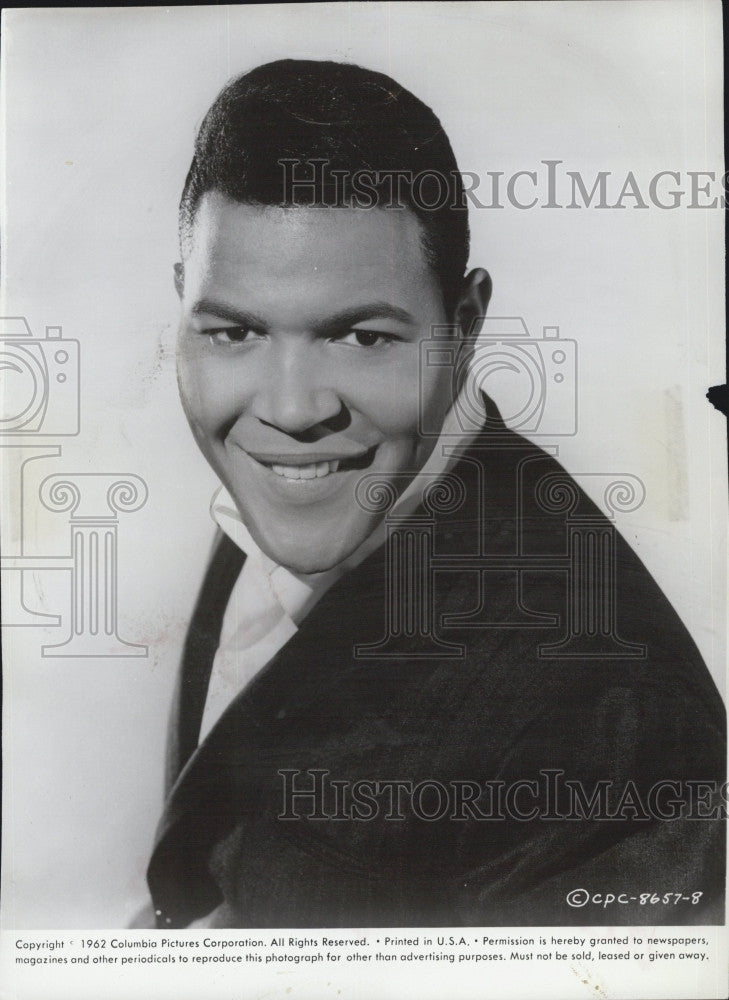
x: 337, y: 321
x: 211, y: 307
x: 371, y: 310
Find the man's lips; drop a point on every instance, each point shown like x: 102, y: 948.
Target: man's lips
x: 307, y: 457
x: 344, y: 461
x: 312, y: 465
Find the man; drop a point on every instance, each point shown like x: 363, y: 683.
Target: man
x: 378, y: 700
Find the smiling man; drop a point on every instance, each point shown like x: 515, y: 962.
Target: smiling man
x: 402, y: 701
x: 299, y: 363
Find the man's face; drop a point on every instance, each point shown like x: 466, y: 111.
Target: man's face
x: 299, y: 365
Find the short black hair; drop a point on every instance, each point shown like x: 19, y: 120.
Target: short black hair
x: 339, y: 122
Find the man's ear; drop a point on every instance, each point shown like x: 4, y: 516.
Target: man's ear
x: 471, y: 307
x: 179, y: 278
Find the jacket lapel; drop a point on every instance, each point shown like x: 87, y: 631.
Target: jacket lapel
x: 270, y: 725
x: 201, y: 644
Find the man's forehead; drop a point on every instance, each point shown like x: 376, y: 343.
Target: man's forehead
x: 306, y: 236
x: 276, y: 260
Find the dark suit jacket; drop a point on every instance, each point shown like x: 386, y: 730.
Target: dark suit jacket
x: 571, y: 662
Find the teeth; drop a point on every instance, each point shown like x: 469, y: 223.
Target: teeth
x: 316, y: 470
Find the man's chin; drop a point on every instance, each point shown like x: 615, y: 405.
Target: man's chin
x: 315, y: 553
x: 308, y: 562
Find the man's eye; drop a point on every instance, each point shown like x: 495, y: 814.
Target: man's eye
x: 366, y: 338
x: 231, y: 334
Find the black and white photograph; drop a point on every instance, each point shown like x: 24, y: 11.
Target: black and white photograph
x: 364, y: 515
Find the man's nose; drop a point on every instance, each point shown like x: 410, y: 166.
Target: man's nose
x: 297, y: 395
